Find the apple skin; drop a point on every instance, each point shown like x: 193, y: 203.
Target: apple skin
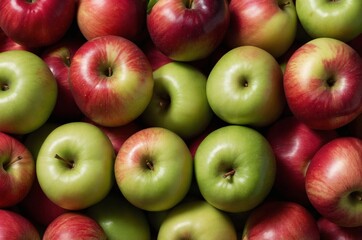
x: 188, y: 30
x: 281, y: 220
x: 234, y: 168
x: 245, y: 87
x: 26, y: 84
x: 36, y: 24
x: 334, y: 181
x: 17, y: 171
x: 196, y: 220
x: 294, y: 145
x: 124, y: 18
x: 267, y: 24
x: 111, y: 80
x: 322, y: 83
x: 7, y: 43
x: 179, y: 101
x: 330, y: 231
x: 74, y: 225
x: 153, y: 169
x: 318, y: 18
x: 15, y: 226
x: 68, y: 161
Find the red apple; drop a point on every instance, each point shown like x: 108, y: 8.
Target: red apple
x: 36, y: 23
x: 7, y: 43
x: 154, y: 55
x: 17, y: 171
x: 331, y: 231
x: 334, y: 181
x: 188, y: 30
x: 15, y: 226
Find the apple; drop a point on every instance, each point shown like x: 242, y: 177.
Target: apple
x: 118, y: 218
x: 17, y: 171
x: 318, y: 18
x: 7, y: 43
x: 281, y: 220
x: 188, y: 30
x: 74, y: 225
x: 322, y: 83
x: 28, y: 92
x: 124, y: 18
x: 267, y: 24
x: 196, y: 220
x: 294, y: 145
x: 179, y: 101
x: 75, y: 165
x: 330, y: 231
x: 334, y: 181
x: 245, y: 87
x: 154, y: 55
x: 234, y: 168
x: 153, y: 169
x: 36, y: 24
x: 111, y: 80
x: 14, y: 226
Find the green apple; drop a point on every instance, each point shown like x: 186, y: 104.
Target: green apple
x: 28, y: 92
x: 179, y: 100
x: 235, y: 168
x: 245, y: 87
x: 75, y: 165
x: 341, y: 19
x: 196, y: 220
x: 120, y: 219
x: 153, y: 169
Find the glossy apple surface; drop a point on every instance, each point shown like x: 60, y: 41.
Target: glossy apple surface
x: 330, y: 231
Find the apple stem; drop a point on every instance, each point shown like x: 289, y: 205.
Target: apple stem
x: 229, y: 173
x: 67, y: 60
x: 150, y: 165
x: 4, y: 87
x: 18, y: 158
x: 357, y: 195
x: 110, y: 72
x: 69, y: 163
x: 282, y: 5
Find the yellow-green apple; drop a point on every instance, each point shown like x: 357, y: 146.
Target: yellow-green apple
x: 153, y: 169
x: 334, y: 19
x: 234, y: 168
x: 17, y: 171
x: 179, y: 100
x: 111, y: 80
x: 196, y: 220
x: 188, y: 30
x: 124, y: 18
x: 294, y: 145
x: 281, y: 220
x: 28, y: 92
x: 334, y: 181
x: 34, y: 23
x: 329, y: 231
x: 267, y: 24
x: 74, y: 225
x: 245, y: 87
x: 15, y: 226
x: 74, y: 165
x: 322, y: 83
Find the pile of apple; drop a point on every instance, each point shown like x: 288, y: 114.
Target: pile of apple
x: 180, y: 119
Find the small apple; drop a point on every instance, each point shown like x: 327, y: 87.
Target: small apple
x: 330, y: 231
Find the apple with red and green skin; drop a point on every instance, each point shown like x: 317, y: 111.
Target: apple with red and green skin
x: 153, y: 169
x: 124, y: 18
x: 17, y: 171
x: 330, y: 231
x: 294, y: 145
x: 196, y: 220
x: 119, y: 218
x: 68, y: 161
x: 74, y: 225
x: 179, y: 101
x: 280, y: 220
x: 28, y: 92
x: 234, y: 168
x: 245, y: 87
x: 318, y: 18
x: 111, y: 80
x: 267, y: 24
x: 334, y: 181
x: 34, y: 23
x: 188, y: 30
x: 15, y: 226
x: 322, y: 83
